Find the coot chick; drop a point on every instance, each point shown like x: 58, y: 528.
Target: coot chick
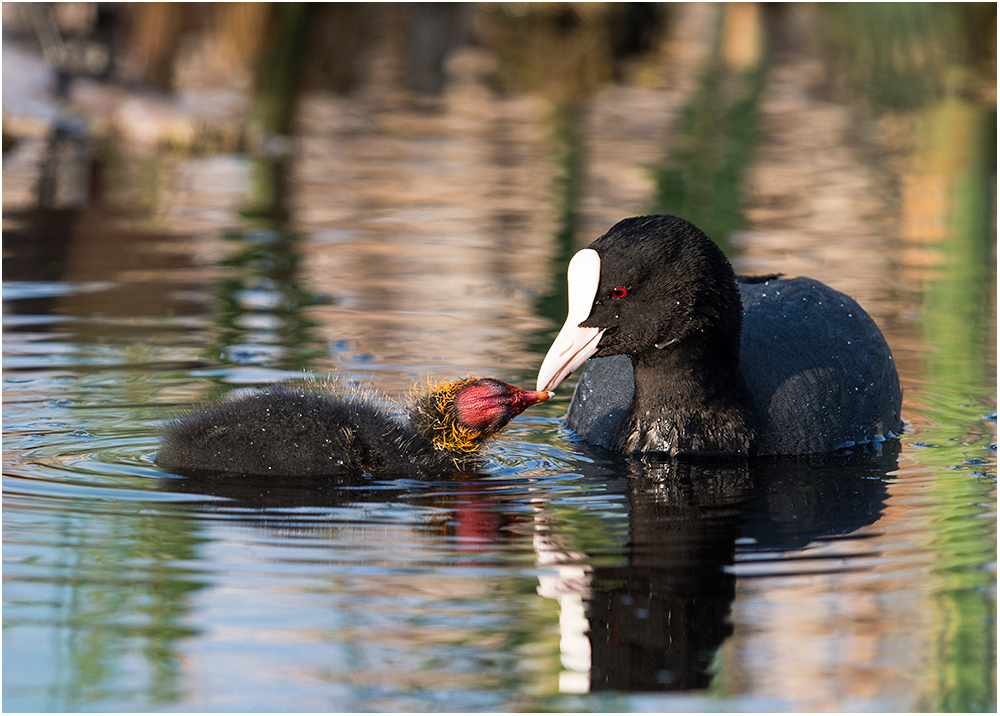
x: 294, y: 430
x: 705, y: 362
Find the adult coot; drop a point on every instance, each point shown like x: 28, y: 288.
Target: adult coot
x: 294, y: 430
x: 705, y: 362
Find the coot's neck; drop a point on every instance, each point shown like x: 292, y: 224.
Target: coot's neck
x: 689, y: 397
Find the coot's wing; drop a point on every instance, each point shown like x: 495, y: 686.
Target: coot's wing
x: 818, y: 369
x: 601, y: 400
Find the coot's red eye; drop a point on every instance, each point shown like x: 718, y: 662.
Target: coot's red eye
x: 619, y: 292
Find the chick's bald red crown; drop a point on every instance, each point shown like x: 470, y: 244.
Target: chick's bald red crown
x: 487, y: 405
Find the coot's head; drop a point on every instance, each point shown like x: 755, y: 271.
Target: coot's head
x: 460, y: 415
x: 651, y: 283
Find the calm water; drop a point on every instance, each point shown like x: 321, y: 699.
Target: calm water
x: 397, y: 241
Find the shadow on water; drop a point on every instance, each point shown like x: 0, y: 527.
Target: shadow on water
x: 652, y: 616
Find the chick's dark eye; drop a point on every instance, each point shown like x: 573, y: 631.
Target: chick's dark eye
x: 619, y: 292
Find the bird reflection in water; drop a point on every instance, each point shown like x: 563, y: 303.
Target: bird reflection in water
x: 653, y: 617
x: 656, y: 622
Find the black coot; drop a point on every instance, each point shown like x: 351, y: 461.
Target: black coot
x: 691, y: 359
x: 294, y: 430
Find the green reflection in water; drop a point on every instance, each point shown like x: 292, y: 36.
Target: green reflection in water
x: 125, y: 589
x: 567, y: 161
x: 280, y: 67
x: 904, y: 55
x: 959, y: 325
x: 262, y: 306
x: 914, y: 56
x: 703, y: 178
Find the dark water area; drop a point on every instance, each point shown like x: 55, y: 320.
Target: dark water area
x: 417, y: 227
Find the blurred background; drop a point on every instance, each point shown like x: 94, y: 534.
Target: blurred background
x: 802, y: 138
x: 478, y: 145
x: 204, y: 195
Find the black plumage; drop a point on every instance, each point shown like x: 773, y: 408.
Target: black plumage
x: 693, y: 359
x: 298, y: 430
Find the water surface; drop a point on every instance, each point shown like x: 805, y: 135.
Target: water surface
x: 400, y: 241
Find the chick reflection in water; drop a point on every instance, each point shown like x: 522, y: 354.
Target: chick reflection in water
x: 289, y: 430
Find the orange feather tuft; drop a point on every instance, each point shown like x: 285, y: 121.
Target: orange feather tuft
x: 436, y: 407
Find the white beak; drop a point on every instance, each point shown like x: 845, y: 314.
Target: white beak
x: 574, y: 345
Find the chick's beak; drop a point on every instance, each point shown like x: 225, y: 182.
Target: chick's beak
x: 523, y: 399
